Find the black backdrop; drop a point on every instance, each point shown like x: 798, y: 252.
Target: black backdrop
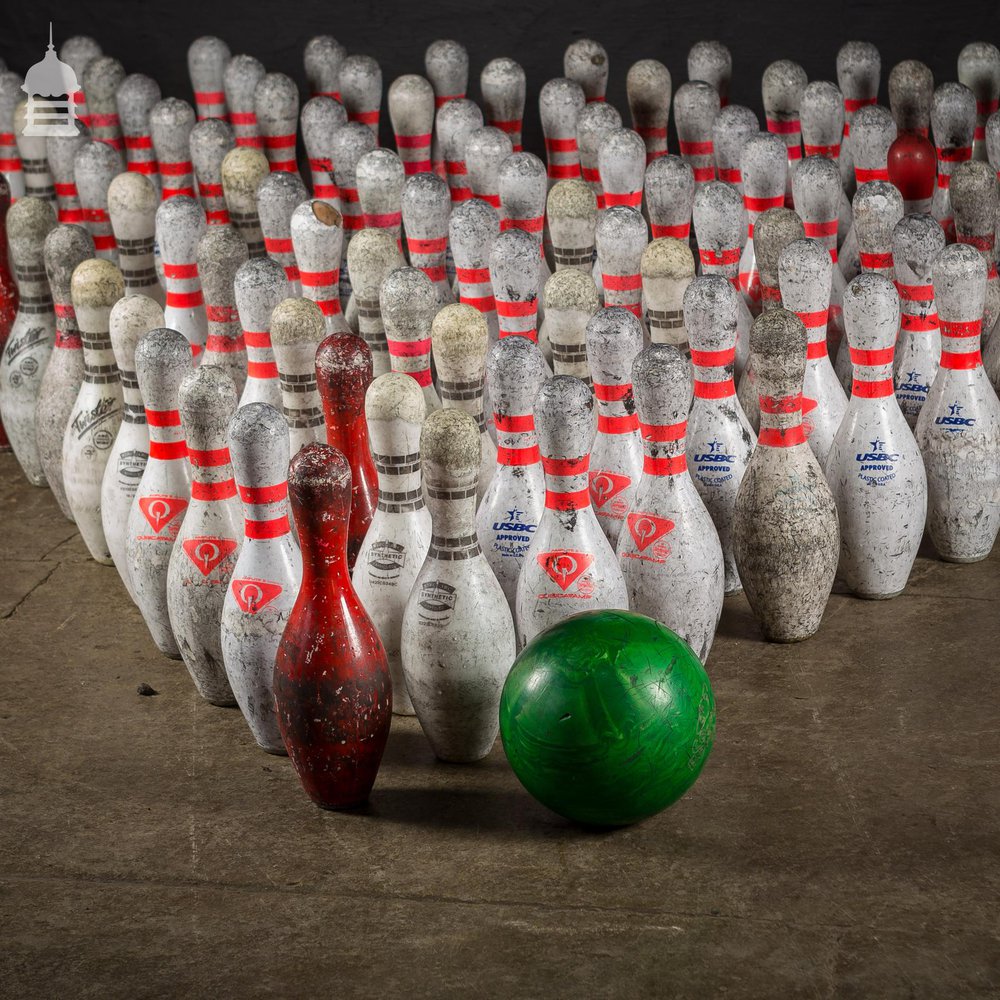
x: 153, y: 37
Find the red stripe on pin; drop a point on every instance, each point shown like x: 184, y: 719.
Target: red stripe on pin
x: 714, y: 390
x: 518, y: 456
x: 436, y: 245
x: 719, y: 258
x: 262, y: 369
x: 874, y: 260
x: 623, y: 424
x: 413, y: 141
x: 612, y: 393
x: 713, y: 359
x: 184, y: 300
x: 567, y: 501
x: 409, y: 348
x: 963, y: 328
x: 507, y: 309
x: 514, y: 423
x: 753, y: 204
x: 663, y: 432
x: 319, y: 279
x: 790, y: 127
x: 816, y: 349
x: 167, y: 450
x: 264, y: 494
x: 622, y: 282
x: 820, y: 229
x: 632, y: 199
x: 703, y: 148
x: 473, y: 275
x: 267, y: 529
x: 872, y: 390
x: 532, y: 225
x: 961, y: 361
x: 778, y: 437
x: 213, y: 491
x: 863, y: 175
x: 671, y: 465
x: 566, y: 466
x: 163, y: 418
x: 679, y: 231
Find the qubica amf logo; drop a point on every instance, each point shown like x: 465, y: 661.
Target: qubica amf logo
x: 50, y: 86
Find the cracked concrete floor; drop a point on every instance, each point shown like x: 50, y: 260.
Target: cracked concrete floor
x: 842, y: 841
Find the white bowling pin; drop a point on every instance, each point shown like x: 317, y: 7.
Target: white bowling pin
x: 372, y: 255
x: 243, y: 169
x: 259, y: 285
x: 764, y: 173
x: 408, y: 303
x: 318, y: 238
x: 571, y: 214
x: 220, y: 253
x: 180, y: 224
x: 667, y: 270
x: 279, y: 194
x: 571, y: 300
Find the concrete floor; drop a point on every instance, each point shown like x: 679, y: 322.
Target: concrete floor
x: 842, y: 841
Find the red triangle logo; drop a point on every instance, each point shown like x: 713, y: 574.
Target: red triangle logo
x: 207, y: 553
x: 647, y: 528
x: 604, y: 486
x: 160, y: 511
x: 564, y: 566
x: 254, y: 595
x: 808, y: 405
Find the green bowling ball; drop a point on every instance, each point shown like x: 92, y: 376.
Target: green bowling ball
x: 607, y: 717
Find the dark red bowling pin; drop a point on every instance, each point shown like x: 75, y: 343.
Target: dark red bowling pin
x: 343, y: 374
x: 332, y: 688
x: 8, y: 289
x: 912, y: 167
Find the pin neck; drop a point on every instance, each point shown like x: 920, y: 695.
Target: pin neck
x: 615, y: 408
x: 475, y: 288
x: 399, y: 489
x: 265, y: 511
x: 676, y: 230
x: 518, y: 317
x: 877, y: 262
x: 428, y: 254
x: 865, y: 174
x: 826, y: 232
x: 624, y: 290
x: 260, y: 355
x: 323, y: 288
x: 698, y: 154
x: 713, y: 373
x: 872, y: 372
x: 166, y: 436
x: 663, y: 447
x: 411, y: 357
x: 465, y: 396
x: 815, y: 321
x: 566, y: 483
x: 781, y: 421
x: 67, y: 332
x: 517, y: 444
x: 453, y: 516
x: 960, y: 344
x: 300, y: 401
x: 917, y: 310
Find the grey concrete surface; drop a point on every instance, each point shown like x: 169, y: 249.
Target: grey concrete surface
x: 842, y: 841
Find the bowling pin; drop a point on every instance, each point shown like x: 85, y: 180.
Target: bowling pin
x: 38, y: 181
x: 732, y: 127
x: 979, y: 70
x: 240, y: 79
x: 265, y: 580
x: 400, y: 532
x: 135, y: 99
x: 719, y: 439
x: 180, y: 224
x: 785, y: 532
x: 278, y: 195
x: 372, y: 255
x: 408, y: 303
x: 426, y: 207
x: 456, y: 120
x: 65, y: 247
x: 243, y: 169
x: 380, y: 178
x: 621, y: 162
x: 874, y: 469
x: 822, y: 118
x: 953, y: 125
x: 170, y: 124
x: 472, y: 230
x: 669, y: 190
x: 322, y: 58
x: 804, y: 278
x: 713, y: 63
x: 571, y: 213
x: 859, y: 69
x: 514, y: 274
x: 570, y: 565
x: 571, y: 297
x: 648, y: 87
x: 763, y: 169
x: 132, y: 204
x: 817, y: 193
x: 667, y: 269
x: 296, y: 332
x: 775, y: 229
x: 975, y: 197
x: 459, y: 340
x: 485, y: 149
x: 614, y: 338
x: 204, y: 556
x: 720, y: 226
x: 411, y: 112
x: 916, y: 242
x: 95, y: 166
x: 259, y: 285
x: 595, y: 122
x: 958, y: 429
x: 220, y: 253
x: 93, y: 424
x: 696, y: 105
x: 317, y: 239
x: 210, y: 141
x: 512, y: 504
x: 343, y: 374
x: 79, y: 51
x: 670, y: 554
x: 782, y: 87
x: 878, y: 207
x: 586, y: 62
x: 458, y: 632
x: 131, y: 318
x: 560, y: 102
x: 29, y: 343
x: 621, y: 238
x: 162, y: 359
x: 11, y: 94
x: 502, y: 83
x: 873, y: 133
x: 101, y: 80
x: 276, y: 105
x: 207, y: 58
x: 61, y: 153
x: 332, y: 689
x: 361, y: 91
x: 320, y: 119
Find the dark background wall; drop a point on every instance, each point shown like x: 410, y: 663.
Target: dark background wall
x: 153, y: 37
